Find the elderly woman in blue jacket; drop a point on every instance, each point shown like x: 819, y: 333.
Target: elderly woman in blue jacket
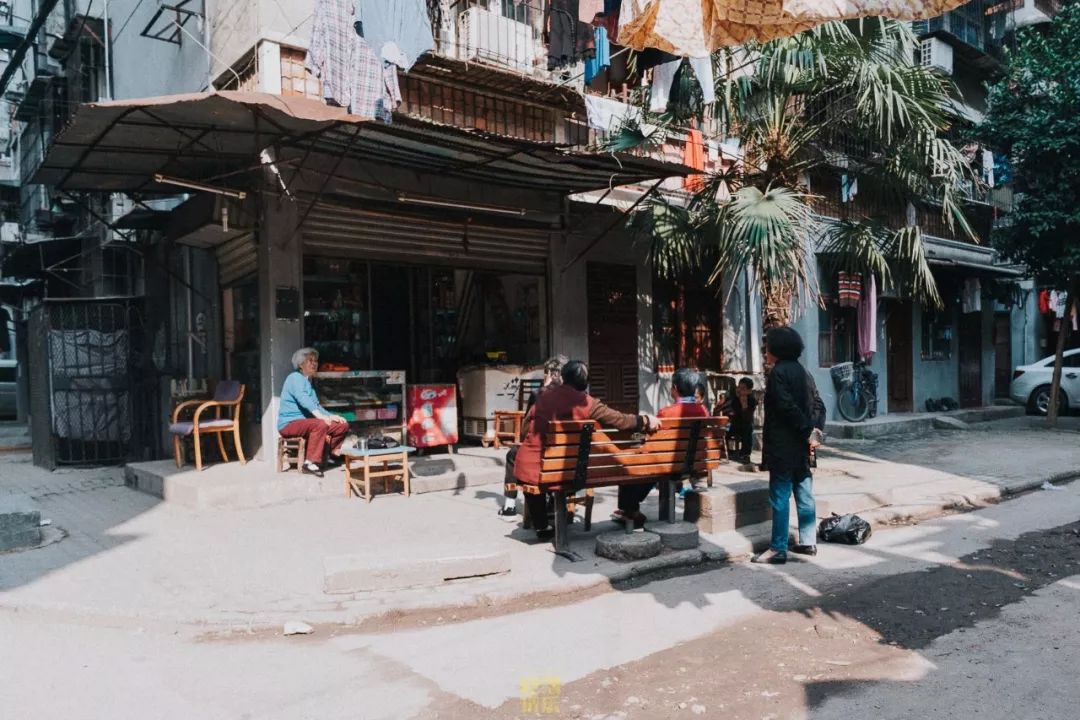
x: 301, y: 415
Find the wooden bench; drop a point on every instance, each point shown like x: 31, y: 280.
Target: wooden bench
x: 579, y: 455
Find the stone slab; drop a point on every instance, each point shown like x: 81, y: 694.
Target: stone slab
x: 917, y: 423
x: 677, y: 535
x: 20, y: 523
x: 728, y: 506
x: 356, y: 574
x: 621, y: 545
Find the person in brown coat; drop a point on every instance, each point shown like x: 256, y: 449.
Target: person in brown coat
x: 568, y: 401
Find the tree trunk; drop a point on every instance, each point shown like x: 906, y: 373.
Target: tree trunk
x: 1059, y: 355
x: 776, y: 311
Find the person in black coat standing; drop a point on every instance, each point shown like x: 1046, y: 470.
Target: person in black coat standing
x: 789, y: 437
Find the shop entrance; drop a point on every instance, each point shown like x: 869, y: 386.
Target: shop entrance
x: 390, y: 317
x: 613, y: 332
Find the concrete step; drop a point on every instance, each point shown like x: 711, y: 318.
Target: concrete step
x: 918, y: 423
x: 257, y: 484
x: 14, y: 437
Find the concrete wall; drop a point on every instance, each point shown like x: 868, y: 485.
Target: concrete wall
x: 143, y: 67
x: 237, y: 27
x: 941, y: 378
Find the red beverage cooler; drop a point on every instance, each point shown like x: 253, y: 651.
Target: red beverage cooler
x: 433, y: 419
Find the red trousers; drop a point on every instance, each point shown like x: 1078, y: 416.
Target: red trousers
x: 316, y: 433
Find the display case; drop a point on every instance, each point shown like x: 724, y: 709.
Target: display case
x: 373, y: 401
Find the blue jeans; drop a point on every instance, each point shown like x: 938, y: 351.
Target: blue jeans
x: 781, y: 487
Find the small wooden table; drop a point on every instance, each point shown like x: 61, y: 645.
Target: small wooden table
x: 385, y: 463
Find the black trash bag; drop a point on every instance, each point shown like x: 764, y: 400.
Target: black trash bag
x: 846, y: 529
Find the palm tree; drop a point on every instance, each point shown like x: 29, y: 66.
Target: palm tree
x: 851, y: 83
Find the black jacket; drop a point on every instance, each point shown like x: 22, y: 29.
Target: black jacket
x: 790, y: 417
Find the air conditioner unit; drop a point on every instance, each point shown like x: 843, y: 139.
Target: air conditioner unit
x: 488, y: 36
x: 937, y: 54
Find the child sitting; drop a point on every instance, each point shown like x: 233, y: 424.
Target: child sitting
x: 740, y: 409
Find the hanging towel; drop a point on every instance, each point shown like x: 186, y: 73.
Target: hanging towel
x: 988, y: 167
x: 602, y: 58
x: 609, y: 115
x: 369, y: 86
x: 694, y: 156
x: 867, y: 320
x: 1044, y: 301
x: 399, y: 31
x: 662, y: 79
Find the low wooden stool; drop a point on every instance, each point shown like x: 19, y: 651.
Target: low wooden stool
x: 290, y: 451
x: 385, y: 463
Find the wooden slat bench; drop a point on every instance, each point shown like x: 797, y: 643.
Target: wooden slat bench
x: 579, y: 455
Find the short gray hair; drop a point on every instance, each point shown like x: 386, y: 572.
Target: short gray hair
x: 303, y: 354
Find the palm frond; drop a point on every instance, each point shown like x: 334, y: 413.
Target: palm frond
x: 767, y: 234
x: 911, y: 270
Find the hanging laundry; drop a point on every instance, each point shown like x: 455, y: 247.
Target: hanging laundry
x: 369, y: 86
x: 589, y: 9
x: 702, y: 67
x: 694, y: 156
x: 391, y: 96
x: 610, y: 19
x: 1057, y: 303
x: 399, y: 31
x: 651, y: 57
x: 562, y: 26
x: 674, y: 25
x: 988, y: 167
x: 849, y: 188
x: 331, y: 50
x: 867, y: 320
x: 609, y: 115
x: 848, y: 289
x: 971, y: 296
x: 602, y: 58
x: 662, y: 79
x: 1044, y: 301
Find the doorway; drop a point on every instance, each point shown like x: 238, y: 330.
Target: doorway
x: 390, y: 317
x: 899, y: 357
x: 1003, y: 365
x: 970, y: 357
x: 613, y: 331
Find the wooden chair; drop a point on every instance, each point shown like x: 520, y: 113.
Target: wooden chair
x: 227, y: 395
x: 513, y: 419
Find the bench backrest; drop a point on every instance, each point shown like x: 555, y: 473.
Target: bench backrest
x: 579, y: 453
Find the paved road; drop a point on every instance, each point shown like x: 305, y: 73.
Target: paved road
x: 969, y: 616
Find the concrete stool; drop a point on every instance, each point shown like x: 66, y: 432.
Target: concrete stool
x: 676, y: 535
x: 621, y: 545
x: 290, y: 451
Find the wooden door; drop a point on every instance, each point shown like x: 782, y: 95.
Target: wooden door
x: 899, y: 357
x: 613, y: 333
x: 970, y: 360
x: 1002, y: 354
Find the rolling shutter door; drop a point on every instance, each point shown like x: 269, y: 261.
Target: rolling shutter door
x: 374, y: 235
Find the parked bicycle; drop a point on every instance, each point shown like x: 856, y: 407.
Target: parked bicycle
x: 856, y: 390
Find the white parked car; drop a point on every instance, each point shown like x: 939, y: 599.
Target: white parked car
x: 1031, y: 383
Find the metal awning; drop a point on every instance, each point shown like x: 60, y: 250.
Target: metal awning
x: 216, y: 137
